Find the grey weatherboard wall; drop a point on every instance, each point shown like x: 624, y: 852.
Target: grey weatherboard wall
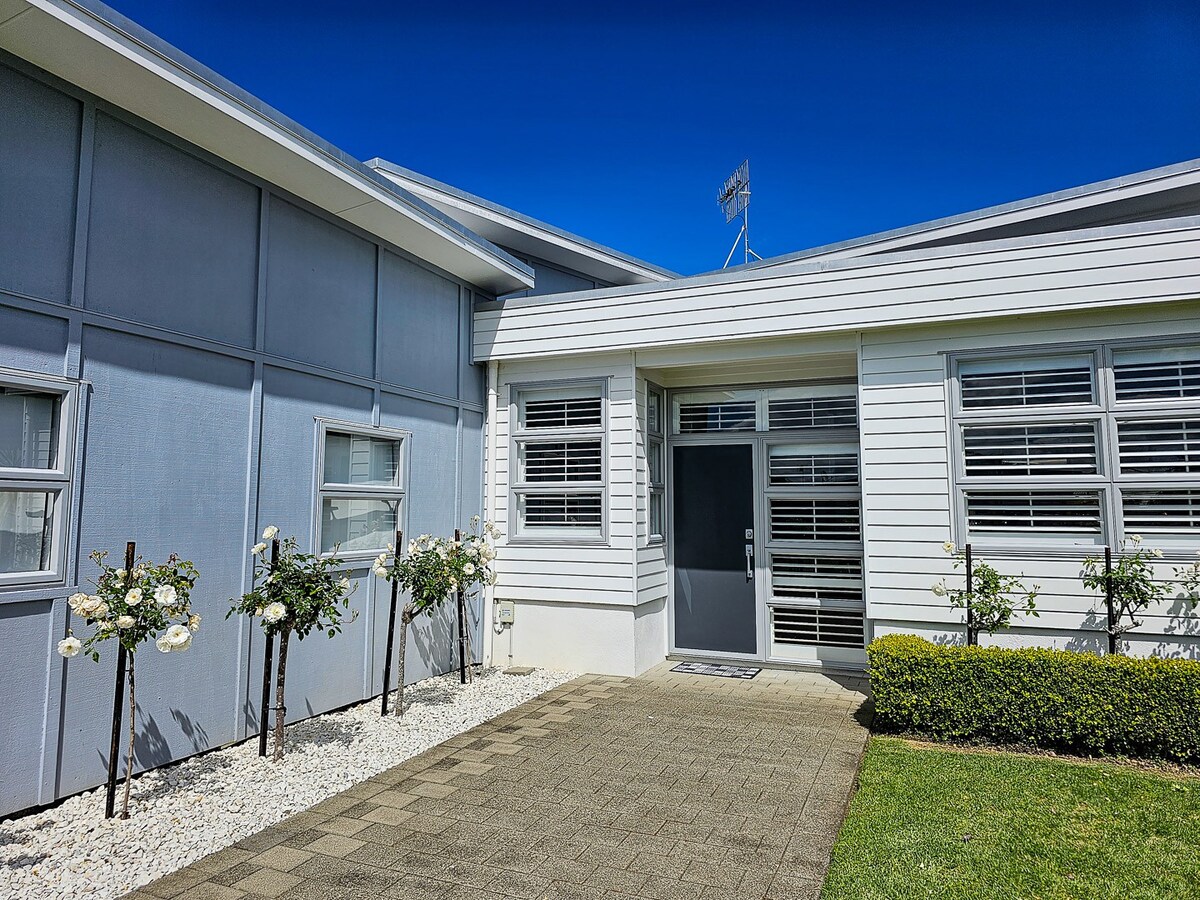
x: 210, y: 320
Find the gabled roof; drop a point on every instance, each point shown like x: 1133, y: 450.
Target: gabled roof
x: 94, y: 47
x: 1163, y: 193
x: 524, y: 234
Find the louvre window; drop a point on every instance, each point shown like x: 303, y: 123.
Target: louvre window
x: 818, y: 626
x: 35, y: 481
x: 558, y: 479
x: 731, y: 415
x: 362, y: 489
x: 813, y: 412
x: 816, y: 578
x: 807, y: 464
x: 1170, y: 510
x: 1067, y: 448
x: 1034, y: 512
x: 1154, y: 447
x: 1157, y: 375
x: 814, y: 519
x: 985, y: 387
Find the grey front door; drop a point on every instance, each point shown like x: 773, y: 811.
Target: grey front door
x: 713, y: 489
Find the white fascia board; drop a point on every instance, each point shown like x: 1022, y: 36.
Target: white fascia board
x: 93, y: 47
x: 524, y: 233
x: 1111, y: 266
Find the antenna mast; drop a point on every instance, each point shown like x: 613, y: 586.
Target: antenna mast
x: 734, y: 198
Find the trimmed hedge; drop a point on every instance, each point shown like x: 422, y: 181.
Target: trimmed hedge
x: 1054, y: 699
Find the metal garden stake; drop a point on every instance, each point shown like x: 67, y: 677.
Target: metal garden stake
x: 268, y: 655
x: 391, y: 628
x: 110, y: 797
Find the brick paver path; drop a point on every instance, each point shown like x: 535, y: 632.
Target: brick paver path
x: 665, y: 786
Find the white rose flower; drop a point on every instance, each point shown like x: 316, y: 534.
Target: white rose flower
x: 258, y: 549
x: 949, y: 546
x: 1158, y: 554
x: 125, y: 621
x: 165, y: 595
x: 178, y: 637
x: 163, y: 645
x: 101, y: 609
x: 69, y: 646
x: 412, y: 547
x: 469, y: 569
x: 380, y: 571
x: 193, y: 622
x: 134, y: 597
x: 1136, y: 538
x: 939, y: 589
x: 274, y: 612
x: 120, y: 573
x: 269, y: 533
x: 76, y: 602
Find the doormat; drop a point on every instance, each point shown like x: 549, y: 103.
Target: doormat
x: 721, y: 671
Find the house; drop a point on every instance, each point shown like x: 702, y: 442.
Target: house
x: 211, y: 320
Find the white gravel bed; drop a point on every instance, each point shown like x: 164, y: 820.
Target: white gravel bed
x: 182, y: 812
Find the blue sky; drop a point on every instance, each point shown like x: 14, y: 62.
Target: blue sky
x: 619, y: 120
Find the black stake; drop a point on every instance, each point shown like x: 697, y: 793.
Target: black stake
x: 110, y: 797
x: 462, y: 627
x: 387, y: 656
x: 972, y: 638
x: 1108, y: 601
x: 268, y: 658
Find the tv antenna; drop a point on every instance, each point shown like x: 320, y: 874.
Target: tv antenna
x: 734, y: 198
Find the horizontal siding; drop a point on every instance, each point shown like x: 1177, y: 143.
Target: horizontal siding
x: 1076, y: 271
x: 906, y: 486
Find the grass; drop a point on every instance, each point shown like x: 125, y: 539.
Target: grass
x: 937, y: 822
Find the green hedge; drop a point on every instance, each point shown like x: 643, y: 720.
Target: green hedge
x: 1053, y: 699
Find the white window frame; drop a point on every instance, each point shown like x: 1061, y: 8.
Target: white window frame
x: 1106, y: 412
x: 334, y: 490
x: 518, y: 488
x: 58, y: 481
x: 656, y: 489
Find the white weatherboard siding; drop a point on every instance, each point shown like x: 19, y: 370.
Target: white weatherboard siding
x: 907, y: 492
x: 1077, y: 270
x: 578, y: 603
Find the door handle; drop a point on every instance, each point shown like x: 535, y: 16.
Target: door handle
x: 749, y: 562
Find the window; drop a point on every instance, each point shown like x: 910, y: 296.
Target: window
x: 36, y: 440
x: 811, y: 407
x: 363, y: 479
x: 655, y: 464
x: 1081, y: 447
x: 558, y: 446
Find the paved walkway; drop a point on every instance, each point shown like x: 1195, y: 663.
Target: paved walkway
x: 665, y: 786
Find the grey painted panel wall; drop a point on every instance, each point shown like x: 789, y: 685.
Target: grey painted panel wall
x: 418, y: 322
x: 320, y: 291
x: 172, y: 241
x: 32, y: 342
x: 174, y: 425
x: 166, y: 466
x: 39, y: 150
x: 553, y: 279
x: 25, y: 642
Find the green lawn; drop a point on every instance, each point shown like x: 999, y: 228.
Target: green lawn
x: 933, y: 822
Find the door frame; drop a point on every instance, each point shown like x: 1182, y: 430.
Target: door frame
x: 759, y: 442
x: 743, y: 438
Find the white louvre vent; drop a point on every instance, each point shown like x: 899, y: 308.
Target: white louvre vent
x: 577, y: 412
x: 1033, y: 512
x: 793, y: 565
x: 1068, y: 448
x: 814, y: 519
x: 1170, y: 510
x: 732, y: 415
x: 790, y: 467
x: 568, y: 461
x: 1070, y: 383
x: 1157, y: 379
x: 562, y: 511
x: 828, y: 627
x: 1151, y: 447
x: 812, y: 412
